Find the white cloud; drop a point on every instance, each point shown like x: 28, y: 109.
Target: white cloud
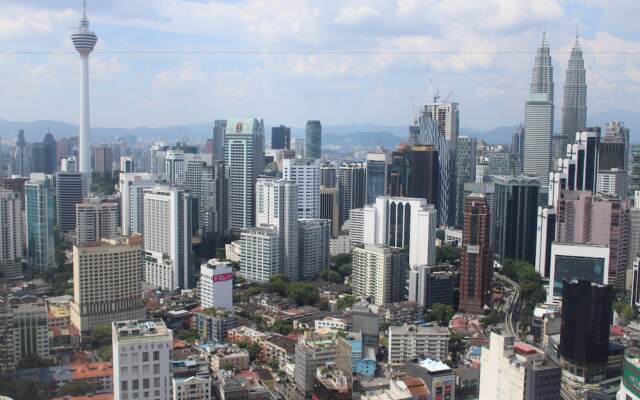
x: 351, y: 15
x: 185, y: 75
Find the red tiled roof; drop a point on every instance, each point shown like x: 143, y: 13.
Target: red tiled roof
x: 92, y: 370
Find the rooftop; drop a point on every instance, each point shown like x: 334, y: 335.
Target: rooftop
x: 142, y: 328
x: 433, y: 365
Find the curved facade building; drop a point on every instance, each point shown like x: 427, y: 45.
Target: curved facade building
x: 313, y: 140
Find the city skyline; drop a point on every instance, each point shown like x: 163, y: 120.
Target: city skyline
x: 349, y: 63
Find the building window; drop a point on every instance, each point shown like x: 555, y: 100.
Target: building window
x: 156, y: 356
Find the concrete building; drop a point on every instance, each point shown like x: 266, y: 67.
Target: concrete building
x: 380, y: 272
x: 377, y: 166
x: 314, y: 243
x: 330, y: 208
x: 306, y: 175
x: 355, y: 226
x: 538, y: 125
x: 96, y: 220
x: 167, y: 237
x: 142, y: 354
x: 329, y: 175
x: 313, y: 140
x: 411, y: 341
x: 214, y: 324
x: 7, y: 359
x: 12, y: 235
x: 40, y: 216
x: 127, y: 165
x: 437, y: 376
x: 70, y: 190
x: 30, y: 329
x: 311, y: 353
x: 107, y: 282
x: 259, y: 254
x: 613, y: 182
x: 517, y: 371
x: 352, y: 188
x: 545, y: 236
x: 366, y: 320
x: 215, y: 286
x: 465, y: 172
x: 232, y: 356
x: 131, y: 187
x: 194, y: 387
x: 103, y: 159
x: 219, y: 128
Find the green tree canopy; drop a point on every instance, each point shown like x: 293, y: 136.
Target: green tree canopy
x: 442, y: 313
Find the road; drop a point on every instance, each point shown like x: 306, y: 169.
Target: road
x: 513, y: 305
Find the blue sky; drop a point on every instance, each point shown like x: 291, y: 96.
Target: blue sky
x: 482, y: 52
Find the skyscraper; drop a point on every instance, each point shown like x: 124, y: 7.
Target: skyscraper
x: 96, y: 220
x: 328, y: 175
x: 352, y: 188
x: 21, y: 157
x: 70, y: 189
x: 330, y: 208
x: 40, y: 217
x: 415, y: 172
x: 11, y: 235
x: 305, y: 174
x: 465, y: 171
x: 219, y: 128
x: 260, y: 259
x: 103, y: 159
x: 313, y: 140
x: 313, y: 250
x: 244, y: 161
x: 377, y: 165
x: 131, y: 188
x: 574, y: 107
x: 281, y: 137
x: 84, y: 41
x: 167, y: 237
x: 542, y: 78
x: 475, y: 267
x: 380, y: 272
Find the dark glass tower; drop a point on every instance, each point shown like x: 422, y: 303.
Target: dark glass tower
x: 281, y: 137
x: 313, y: 140
x: 415, y: 172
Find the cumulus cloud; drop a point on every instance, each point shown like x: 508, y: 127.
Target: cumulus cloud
x: 351, y: 15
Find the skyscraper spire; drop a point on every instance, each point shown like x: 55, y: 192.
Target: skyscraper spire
x: 542, y: 79
x: 574, y: 107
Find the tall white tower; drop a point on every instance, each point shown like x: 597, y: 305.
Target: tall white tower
x: 84, y: 41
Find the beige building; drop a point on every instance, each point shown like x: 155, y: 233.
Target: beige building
x: 380, y: 272
x: 107, y: 282
x: 96, y: 220
x: 410, y: 341
x: 233, y: 357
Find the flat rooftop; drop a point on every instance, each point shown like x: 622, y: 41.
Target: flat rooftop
x: 127, y: 330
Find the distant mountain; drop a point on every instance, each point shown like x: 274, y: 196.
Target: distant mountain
x: 631, y: 120
x: 364, y: 139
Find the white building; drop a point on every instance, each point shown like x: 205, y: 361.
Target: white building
x: 314, y: 237
x: 12, y: 234
x: 192, y: 388
x: 306, y: 175
x: 131, y: 188
x: 340, y: 245
x: 216, y: 285
x: 126, y: 164
x: 613, y: 181
x: 167, y: 237
x: 356, y: 226
x: 259, y: 259
x: 331, y: 323
x: 379, y: 272
x: 545, y: 236
x: 142, y: 355
x: 233, y: 251
x: 411, y: 341
x: 174, y: 166
x: 96, y: 220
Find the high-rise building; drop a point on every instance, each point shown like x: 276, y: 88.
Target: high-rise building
x: 276, y: 205
x: 44, y: 155
x: 281, y: 137
x: 352, y: 188
x: 587, y: 315
x: 7, y: 359
x: 439, y: 125
x: 96, y: 220
x: 380, y: 273
x: 16, y: 184
x: 107, y: 282
x: 616, y: 132
x: 489, y: 192
x: 408, y: 342
x: 30, y: 328
x: 559, y: 147
x: 146, y: 368
x: 634, y: 239
x: 70, y: 191
x: 538, y: 125
x: 313, y: 251
x: 475, y: 268
x: 415, y: 172
x: 194, y: 170
x: 131, y: 188
x: 313, y: 140
x: 377, y: 165
x: 500, y: 162
x: 215, y: 286
x: 312, y: 352
x: 542, y: 77
x: 69, y: 164
x: 40, y: 218
x: 516, y: 207
x: 21, y: 157
x: 243, y: 160
x: 513, y: 370
x: 329, y: 175
x: 465, y: 172
x: 545, y: 236
x: 174, y: 166
x: 103, y: 159
x: 356, y: 226
x: 305, y: 174
x: 12, y: 233
x: 84, y: 41
x: 613, y: 182
x: 214, y: 219
x: 219, y: 128
x: 330, y: 208
x: 260, y: 254
x: 127, y: 165
x: 574, y: 106
x: 517, y: 146
x: 167, y: 237
x: 581, y: 162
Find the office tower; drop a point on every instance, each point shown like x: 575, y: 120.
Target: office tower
x: 281, y: 137
x: 635, y: 167
x: 500, y: 162
x: 482, y: 168
x: 167, y: 237
x: 214, y: 219
x: 415, y: 172
x: 64, y: 148
x: 465, y: 171
x: 581, y: 165
x: 571, y: 261
x: 476, y: 267
x: 330, y: 208
x: 596, y: 219
x: 21, y: 157
x: 352, y: 188
x: 96, y: 220
x: 11, y: 235
x: 613, y: 182
x: 312, y: 352
x: 298, y: 147
x: 194, y: 167
x: 439, y: 124
x: 634, y: 239
x: 545, y: 236
x: 513, y: 370
x: 44, y: 155
x: 517, y: 144
x: 84, y: 41
x: 69, y: 164
x: 40, y: 222
x: 379, y: 273
x: 126, y: 165
x: 489, y: 192
x: 313, y: 251
x: 559, y: 147
x: 276, y: 205
x: 107, y: 282
x: 158, y: 158
x: 542, y: 77
x: 329, y: 175
x: 103, y: 159
x: 516, y: 207
x: 616, y: 132
x: 408, y: 342
x: 356, y: 226
x: 215, y: 286
x: 243, y: 160
x: 313, y: 140
x: 38, y: 157
x: 574, y: 106
x: 613, y: 153
x: 16, y: 184
x: 438, y: 286
x: 538, y: 125
x: 70, y: 190
x: 174, y: 166
x: 377, y: 165
x: 219, y: 128
x: 584, y: 333
x: 260, y: 259
x: 144, y: 372
x: 30, y: 329
x: 131, y: 187
x: 305, y: 174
